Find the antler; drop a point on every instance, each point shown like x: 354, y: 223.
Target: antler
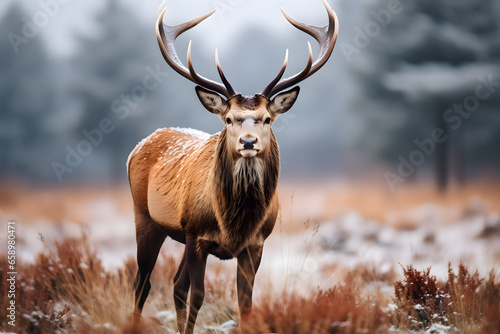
x: 326, y: 37
x: 166, y: 36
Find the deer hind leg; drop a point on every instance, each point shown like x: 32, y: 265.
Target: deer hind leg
x: 196, y: 259
x: 248, y: 264
x: 149, y: 240
x: 181, y: 288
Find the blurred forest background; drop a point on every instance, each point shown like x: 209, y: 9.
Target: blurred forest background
x: 390, y: 157
x: 398, y: 69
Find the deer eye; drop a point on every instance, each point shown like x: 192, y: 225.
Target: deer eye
x: 268, y: 120
x: 228, y: 120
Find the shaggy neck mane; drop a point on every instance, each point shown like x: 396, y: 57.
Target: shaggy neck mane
x: 244, y: 188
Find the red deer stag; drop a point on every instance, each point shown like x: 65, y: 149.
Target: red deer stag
x: 216, y: 194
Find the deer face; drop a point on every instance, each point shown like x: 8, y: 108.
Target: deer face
x: 247, y: 120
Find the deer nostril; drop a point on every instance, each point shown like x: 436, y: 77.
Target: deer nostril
x: 248, y: 143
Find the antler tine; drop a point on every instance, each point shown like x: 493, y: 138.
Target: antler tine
x: 326, y: 37
x: 226, y: 83
x: 196, y: 78
x: 162, y: 5
x: 305, y: 72
x: 273, y: 83
x: 166, y: 36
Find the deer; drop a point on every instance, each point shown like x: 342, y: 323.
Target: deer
x: 217, y: 194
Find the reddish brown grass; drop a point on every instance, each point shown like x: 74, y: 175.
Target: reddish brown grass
x: 341, y: 309
x: 68, y: 290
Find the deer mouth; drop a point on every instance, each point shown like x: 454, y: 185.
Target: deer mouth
x: 248, y: 153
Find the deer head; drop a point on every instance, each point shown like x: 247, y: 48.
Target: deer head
x: 247, y: 119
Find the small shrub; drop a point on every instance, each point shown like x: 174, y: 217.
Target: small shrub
x: 465, y: 301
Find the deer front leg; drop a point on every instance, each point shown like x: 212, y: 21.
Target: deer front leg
x: 149, y: 241
x: 248, y: 264
x: 196, y: 258
x: 181, y: 288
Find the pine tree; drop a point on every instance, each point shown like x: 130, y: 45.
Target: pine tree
x: 427, y: 59
x: 26, y: 100
x: 110, y: 62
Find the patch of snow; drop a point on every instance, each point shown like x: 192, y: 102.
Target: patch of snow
x: 225, y: 328
x: 340, y: 324
x: 437, y: 328
x: 166, y: 315
x: 393, y: 329
x: 392, y: 307
x: 356, y: 241
x: 109, y: 326
x: 228, y: 326
x: 419, y: 306
x: 193, y: 132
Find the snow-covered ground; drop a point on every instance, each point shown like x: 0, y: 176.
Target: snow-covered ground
x: 322, y: 257
x: 305, y: 258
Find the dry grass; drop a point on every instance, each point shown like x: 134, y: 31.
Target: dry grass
x: 68, y: 290
x: 343, y: 308
x: 300, y: 202
x: 60, y: 204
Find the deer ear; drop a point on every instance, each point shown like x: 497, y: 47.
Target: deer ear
x: 284, y: 101
x: 212, y: 101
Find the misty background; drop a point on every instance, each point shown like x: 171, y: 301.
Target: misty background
x: 398, y: 67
